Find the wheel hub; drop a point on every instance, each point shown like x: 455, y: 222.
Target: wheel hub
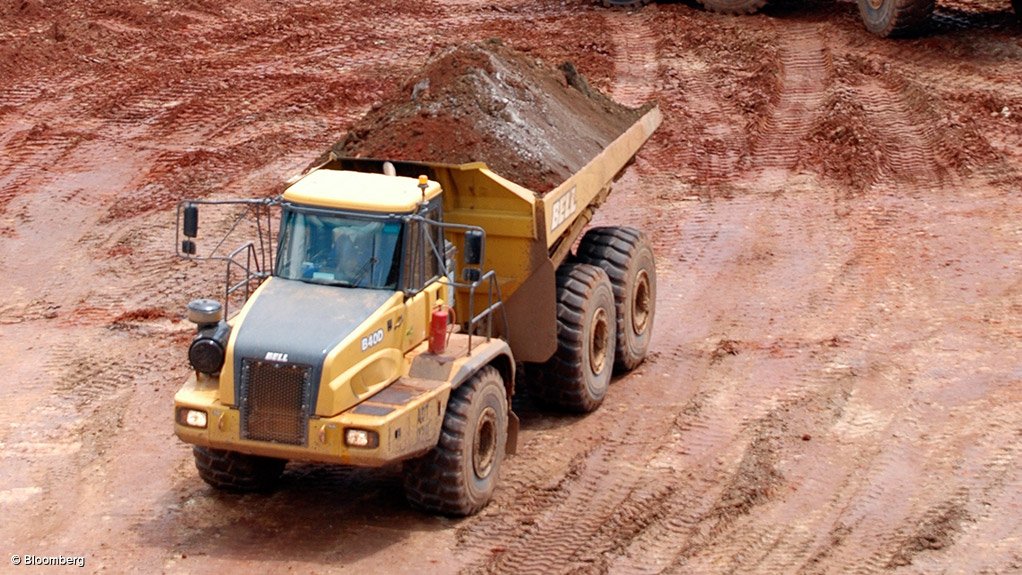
x: 641, y: 303
x: 598, y: 337
x: 484, y: 448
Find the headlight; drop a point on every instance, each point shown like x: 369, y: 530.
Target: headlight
x: 206, y: 355
x: 207, y: 352
x: 192, y: 417
x: 361, y: 438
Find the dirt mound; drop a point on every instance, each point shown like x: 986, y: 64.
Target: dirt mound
x: 529, y: 122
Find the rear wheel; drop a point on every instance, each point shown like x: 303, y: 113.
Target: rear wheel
x: 459, y: 475
x: 895, y: 17
x: 627, y: 257
x: 232, y: 471
x: 733, y: 6
x: 577, y: 376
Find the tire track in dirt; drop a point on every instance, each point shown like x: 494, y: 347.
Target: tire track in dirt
x: 806, y: 71
x: 636, y: 65
x: 908, y: 150
x: 583, y: 516
x: 885, y: 276
x: 79, y: 399
x: 706, y: 515
x: 715, y: 154
x: 881, y: 128
x: 27, y: 149
x: 974, y: 102
x: 704, y: 139
x: 863, y: 283
x: 977, y: 65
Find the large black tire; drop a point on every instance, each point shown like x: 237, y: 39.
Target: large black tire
x: 577, y: 376
x: 459, y: 475
x: 733, y: 6
x: 627, y: 257
x: 625, y: 3
x: 895, y: 17
x: 232, y: 471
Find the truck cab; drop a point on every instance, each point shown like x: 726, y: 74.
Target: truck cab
x: 348, y: 229
x: 328, y: 359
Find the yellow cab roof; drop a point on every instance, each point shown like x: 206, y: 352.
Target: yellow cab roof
x: 359, y: 191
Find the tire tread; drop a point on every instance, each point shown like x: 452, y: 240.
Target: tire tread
x: 237, y: 472
x: 560, y: 382
x: 906, y: 17
x: 433, y: 482
x: 614, y: 248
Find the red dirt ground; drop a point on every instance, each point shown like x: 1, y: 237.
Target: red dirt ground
x: 835, y: 376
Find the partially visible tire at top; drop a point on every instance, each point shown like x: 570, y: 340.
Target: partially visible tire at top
x: 733, y: 6
x: 232, y: 471
x: 576, y: 378
x: 895, y: 17
x: 459, y: 475
x: 625, y: 3
x: 627, y: 257
x: 1017, y: 5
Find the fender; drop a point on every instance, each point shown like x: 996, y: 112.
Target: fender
x: 458, y: 369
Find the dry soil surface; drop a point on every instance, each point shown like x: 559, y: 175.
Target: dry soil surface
x: 835, y: 379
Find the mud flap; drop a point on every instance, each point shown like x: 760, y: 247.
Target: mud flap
x: 532, y: 315
x: 512, y: 433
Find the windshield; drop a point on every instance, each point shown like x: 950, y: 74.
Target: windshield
x: 339, y: 250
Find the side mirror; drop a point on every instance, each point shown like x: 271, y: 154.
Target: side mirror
x: 191, y: 221
x: 471, y: 275
x: 473, y: 247
x: 190, y: 229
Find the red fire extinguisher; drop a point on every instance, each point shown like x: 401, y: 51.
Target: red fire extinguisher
x: 438, y: 330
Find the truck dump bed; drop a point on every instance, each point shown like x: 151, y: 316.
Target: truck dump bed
x: 528, y: 234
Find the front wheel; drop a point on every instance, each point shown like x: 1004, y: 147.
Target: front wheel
x: 232, y: 471
x: 895, y: 17
x: 459, y: 475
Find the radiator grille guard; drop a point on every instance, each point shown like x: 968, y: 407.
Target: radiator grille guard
x: 275, y: 401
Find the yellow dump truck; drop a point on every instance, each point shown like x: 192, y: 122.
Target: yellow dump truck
x: 368, y: 341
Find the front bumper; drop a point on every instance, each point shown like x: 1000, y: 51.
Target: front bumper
x: 406, y: 416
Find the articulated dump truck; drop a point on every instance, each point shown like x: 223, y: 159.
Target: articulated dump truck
x: 401, y: 301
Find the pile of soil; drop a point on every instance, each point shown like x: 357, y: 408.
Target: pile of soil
x: 529, y: 122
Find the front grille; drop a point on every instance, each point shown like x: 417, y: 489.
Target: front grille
x: 274, y: 401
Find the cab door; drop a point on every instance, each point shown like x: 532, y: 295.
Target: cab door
x: 422, y: 274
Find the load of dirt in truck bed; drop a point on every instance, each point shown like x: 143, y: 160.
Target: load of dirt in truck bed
x: 528, y: 121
